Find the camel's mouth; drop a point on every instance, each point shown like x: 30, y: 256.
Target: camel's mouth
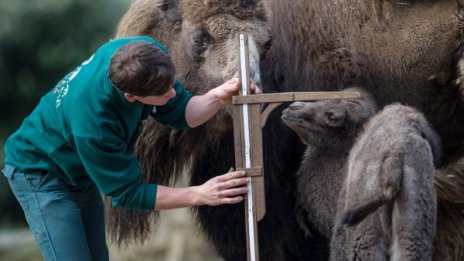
x: 299, y: 124
x: 293, y: 122
x: 290, y: 118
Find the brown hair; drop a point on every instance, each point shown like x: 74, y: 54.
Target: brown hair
x: 142, y: 69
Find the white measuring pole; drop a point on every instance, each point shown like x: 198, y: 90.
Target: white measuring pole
x: 246, y: 132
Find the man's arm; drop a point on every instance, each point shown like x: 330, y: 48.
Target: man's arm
x: 201, y: 108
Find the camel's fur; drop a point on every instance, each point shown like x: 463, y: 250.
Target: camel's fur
x: 387, y: 208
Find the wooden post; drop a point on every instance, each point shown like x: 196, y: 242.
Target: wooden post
x: 248, y: 122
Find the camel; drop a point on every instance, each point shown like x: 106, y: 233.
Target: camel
x: 408, y: 52
x: 387, y: 209
x: 391, y: 163
x: 329, y: 129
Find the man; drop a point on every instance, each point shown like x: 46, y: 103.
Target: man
x: 78, y: 142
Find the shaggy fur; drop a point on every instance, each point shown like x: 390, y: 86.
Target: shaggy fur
x: 329, y: 129
x: 388, y: 196
x: 409, y: 53
x: 317, y: 45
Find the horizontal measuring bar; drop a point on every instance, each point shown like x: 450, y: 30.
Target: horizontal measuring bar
x: 252, y: 172
x: 292, y: 96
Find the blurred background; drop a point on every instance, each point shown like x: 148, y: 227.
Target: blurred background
x: 40, y: 41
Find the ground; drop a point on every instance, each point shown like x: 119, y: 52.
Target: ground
x: 177, y: 239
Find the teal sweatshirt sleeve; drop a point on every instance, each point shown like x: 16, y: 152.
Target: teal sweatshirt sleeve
x: 173, y: 113
x: 116, y: 173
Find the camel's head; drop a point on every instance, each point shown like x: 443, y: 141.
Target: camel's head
x: 208, y: 50
x: 329, y: 123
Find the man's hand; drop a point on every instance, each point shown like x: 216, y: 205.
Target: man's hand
x: 225, y: 189
x: 225, y: 91
x: 202, y: 107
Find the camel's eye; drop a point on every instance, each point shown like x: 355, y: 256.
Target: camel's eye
x: 166, y: 6
x: 200, y: 41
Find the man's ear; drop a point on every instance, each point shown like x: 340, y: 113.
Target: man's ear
x: 130, y: 97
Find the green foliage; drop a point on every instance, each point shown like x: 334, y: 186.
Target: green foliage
x: 40, y: 41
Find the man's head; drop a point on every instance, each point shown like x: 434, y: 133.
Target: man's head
x: 141, y: 70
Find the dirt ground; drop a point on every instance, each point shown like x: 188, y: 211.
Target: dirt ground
x: 177, y: 239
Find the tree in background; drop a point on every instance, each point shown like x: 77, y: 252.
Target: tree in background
x: 40, y: 41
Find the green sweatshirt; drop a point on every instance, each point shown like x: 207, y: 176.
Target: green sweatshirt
x: 84, y: 130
